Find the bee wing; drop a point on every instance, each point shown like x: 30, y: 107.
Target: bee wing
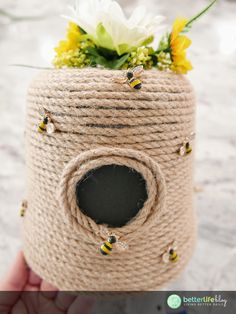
x: 165, y: 257
x: 175, y: 245
x: 192, y: 136
x: 138, y: 70
x: 122, y: 246
x: 120, y: 80
x: 182, y: 150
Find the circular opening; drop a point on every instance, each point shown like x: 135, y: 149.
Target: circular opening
x: 111, y: 194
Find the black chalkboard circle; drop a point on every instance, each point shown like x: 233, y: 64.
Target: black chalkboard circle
x: 111, y: 194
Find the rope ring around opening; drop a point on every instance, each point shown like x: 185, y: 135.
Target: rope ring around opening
x: 75, y: 170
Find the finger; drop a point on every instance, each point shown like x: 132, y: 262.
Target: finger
x: 34, y: 279
x: 29, y: 287
x: 47, y: 306
x: 14, y: 282
x: 19, y: 307
x: 34, y: 282
x: 64, y: 300
x: 81, y: 305
x: 17, y: 276
x: 48, y: 290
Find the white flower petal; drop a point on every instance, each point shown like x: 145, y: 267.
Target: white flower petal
x: 132, y: 31
x: 138, y: 17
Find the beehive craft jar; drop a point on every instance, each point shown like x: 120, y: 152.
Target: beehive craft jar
x: 99, y: 122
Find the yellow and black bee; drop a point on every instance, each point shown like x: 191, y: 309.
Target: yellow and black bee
x: 132, y: 77
x: 171, y: 254
x: 42, y: 127
x: 106, y: 247
x: 46, y: 125
x: 186, y: 148
x: 23, y: 208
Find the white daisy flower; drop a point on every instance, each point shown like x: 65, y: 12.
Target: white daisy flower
x: 106, y: 22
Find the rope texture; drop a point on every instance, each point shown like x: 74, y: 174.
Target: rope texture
x: 100, y: 122
x: 78, y: 167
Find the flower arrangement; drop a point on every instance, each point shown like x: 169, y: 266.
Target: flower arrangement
x: 99, y: 34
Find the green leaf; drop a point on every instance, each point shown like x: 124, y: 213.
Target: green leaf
x: 97, y: 58
x: 126, y: 48
x: 82, y: 30
x: 154, y: 59
x: 148, y: 41
x: 103, y: 38
x: 117, y: 64
x: 107, y: 53
x: 196, y: 17
x: 123, y: 48
x: 164, y: 43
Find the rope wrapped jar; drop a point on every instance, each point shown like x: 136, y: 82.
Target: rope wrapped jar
x: 98, y: 122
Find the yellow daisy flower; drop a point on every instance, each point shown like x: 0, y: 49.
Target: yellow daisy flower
x: 72, y: 40
x: 179, y: 44
x: 71, y: 52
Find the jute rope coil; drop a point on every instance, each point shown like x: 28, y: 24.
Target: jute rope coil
x: 98, y: 123
x: 78, y: 167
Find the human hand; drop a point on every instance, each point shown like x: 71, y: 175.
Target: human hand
x: 24, y: 292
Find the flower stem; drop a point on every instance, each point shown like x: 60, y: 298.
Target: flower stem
x: 196, y: 17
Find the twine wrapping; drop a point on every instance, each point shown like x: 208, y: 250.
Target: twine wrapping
x: 99, y: 122
x: 87, y: 161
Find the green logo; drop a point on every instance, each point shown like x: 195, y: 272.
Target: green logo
x: 174, y: 301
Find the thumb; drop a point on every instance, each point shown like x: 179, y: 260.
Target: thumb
x: 17, y: 276
x: 14, y: 282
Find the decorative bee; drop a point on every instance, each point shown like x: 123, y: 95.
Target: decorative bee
x: 132, y: 77
x: 24, y: 206
x: 106, y: 247
x: 46, y: 125
x: 186, y: 148
x: 171, y: 254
